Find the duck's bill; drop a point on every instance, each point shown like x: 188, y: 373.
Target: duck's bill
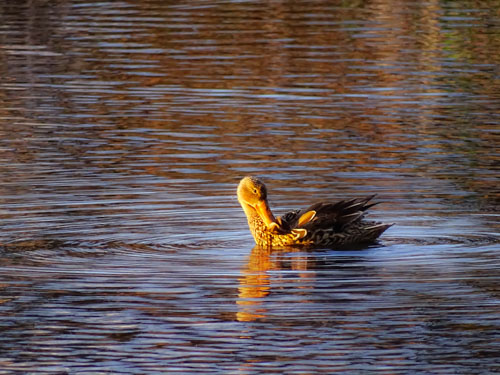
x: 265, y: 213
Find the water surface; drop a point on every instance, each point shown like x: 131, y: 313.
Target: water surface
x: 125, y: 127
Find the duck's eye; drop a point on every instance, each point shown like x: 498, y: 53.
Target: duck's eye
x: 255, y: 191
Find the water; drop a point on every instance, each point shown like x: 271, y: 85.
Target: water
x: 126, y: 126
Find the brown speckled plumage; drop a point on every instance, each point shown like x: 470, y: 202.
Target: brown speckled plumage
x: 330, y: 225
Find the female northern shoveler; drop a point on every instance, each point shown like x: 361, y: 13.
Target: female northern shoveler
x: 322, y: 224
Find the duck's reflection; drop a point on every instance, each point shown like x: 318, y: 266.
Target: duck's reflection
x: 272, y: 279
x: 258, y: 277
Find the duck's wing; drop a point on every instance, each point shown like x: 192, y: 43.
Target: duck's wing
x: 341, y: 214
x: 326, y: 215
x: 292, y: 223
x: 288, y: 221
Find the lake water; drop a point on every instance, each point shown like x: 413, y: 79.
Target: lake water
x: 125, y: 127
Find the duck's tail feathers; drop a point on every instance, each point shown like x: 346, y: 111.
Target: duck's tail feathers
x: 374, y: 231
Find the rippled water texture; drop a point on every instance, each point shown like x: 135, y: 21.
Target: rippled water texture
x: 125, y: 127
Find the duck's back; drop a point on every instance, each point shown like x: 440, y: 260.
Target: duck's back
x: 335, y: 224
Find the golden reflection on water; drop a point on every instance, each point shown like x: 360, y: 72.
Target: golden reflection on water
x: 257, y: 283
x: 263, y: 88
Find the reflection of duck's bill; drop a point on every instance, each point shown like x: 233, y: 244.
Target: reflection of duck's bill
x: 245, y: 316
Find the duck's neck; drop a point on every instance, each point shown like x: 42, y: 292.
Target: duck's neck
x: 255, y: 223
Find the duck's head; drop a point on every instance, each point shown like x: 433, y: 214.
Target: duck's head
x: 252, y: 195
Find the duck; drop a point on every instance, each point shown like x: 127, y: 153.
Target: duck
x: 323, y: 224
